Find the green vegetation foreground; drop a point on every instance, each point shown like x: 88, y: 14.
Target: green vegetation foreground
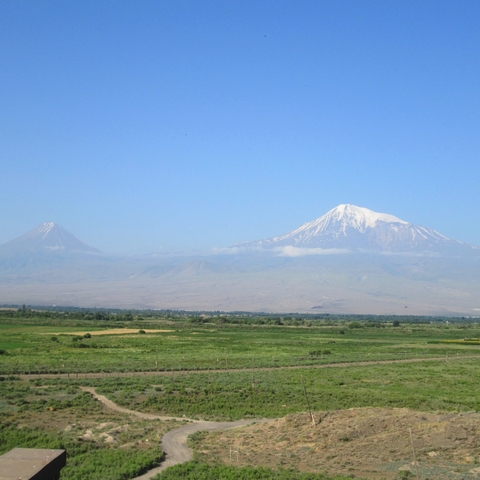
x: 52, y: 413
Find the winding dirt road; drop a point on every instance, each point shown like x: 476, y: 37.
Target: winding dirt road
x: 174, y: 443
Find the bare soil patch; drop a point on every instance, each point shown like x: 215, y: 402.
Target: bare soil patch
x: 371, y: 443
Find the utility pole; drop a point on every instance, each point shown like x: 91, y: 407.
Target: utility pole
x: 253, y: 372
x: 308, y: 403
x: 414, y: 456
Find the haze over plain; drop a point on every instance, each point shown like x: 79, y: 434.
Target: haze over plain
x: 146, y: 127
x: 350, y: 260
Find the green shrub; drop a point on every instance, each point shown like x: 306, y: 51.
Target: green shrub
x: 195, y: 470
x: 355, y: 325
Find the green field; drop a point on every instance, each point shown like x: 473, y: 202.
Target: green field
x: 214, y: 370
x: 54, y: 347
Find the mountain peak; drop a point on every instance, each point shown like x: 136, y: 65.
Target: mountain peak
x: 343, y: 220
x: 48, y: 237
x: 360, y: 216
x: 46, y: 227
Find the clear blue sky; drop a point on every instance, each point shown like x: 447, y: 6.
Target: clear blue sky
x: 141, y: 125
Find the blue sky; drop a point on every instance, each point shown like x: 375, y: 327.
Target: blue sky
x: 174, y: 125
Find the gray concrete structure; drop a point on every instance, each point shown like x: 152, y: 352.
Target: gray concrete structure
x: 32, y: 464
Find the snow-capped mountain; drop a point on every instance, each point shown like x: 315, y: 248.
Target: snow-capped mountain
x: 46, y: 238
x: 360, y: 229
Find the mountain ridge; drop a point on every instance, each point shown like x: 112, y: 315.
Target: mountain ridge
x: 348, y: 227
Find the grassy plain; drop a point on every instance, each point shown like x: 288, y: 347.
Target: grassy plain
x: 214, y: 371
x: 60, y: 347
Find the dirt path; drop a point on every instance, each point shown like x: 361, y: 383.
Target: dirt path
x: 147, y: 416
x: 174, y: 443
x: 28, y: 376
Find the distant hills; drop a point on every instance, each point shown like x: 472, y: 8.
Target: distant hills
x: 350, y: 260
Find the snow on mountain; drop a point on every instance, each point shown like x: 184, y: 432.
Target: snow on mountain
x: 46, y: 238
x: 351, y: 228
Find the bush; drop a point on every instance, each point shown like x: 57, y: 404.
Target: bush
x: 355, y: 325
x: 317, y: 353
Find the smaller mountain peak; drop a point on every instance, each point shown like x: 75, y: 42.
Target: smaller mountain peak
x: 46, y: 227
x: 47, y: 237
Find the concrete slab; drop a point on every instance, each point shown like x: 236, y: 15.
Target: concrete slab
x: 32, y: 464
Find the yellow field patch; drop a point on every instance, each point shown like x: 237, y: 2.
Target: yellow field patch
x: 115, y: 331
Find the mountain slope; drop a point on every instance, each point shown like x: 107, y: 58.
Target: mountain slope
x: 360, y: 229
x: 46, y: 238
